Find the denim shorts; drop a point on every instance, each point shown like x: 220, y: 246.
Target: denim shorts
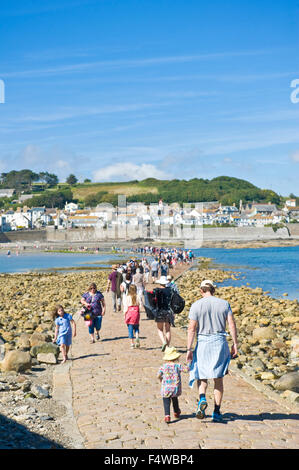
x: 96, y: 324
x: 131, y: 329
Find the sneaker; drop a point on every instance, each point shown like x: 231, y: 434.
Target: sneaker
x: 164, y: 347
x: 132, y: 346
x: 97, y: 336
x: 217, y: 417
x: 167, y: 419
x: 137, y: 343
x: 202, y: 405
x: 178, y: 414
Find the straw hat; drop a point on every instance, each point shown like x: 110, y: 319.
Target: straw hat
x: 171, y: 354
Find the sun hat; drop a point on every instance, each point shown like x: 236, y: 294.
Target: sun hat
x: 163, y: 280
x: 207, y: 282
x: 171, y: 354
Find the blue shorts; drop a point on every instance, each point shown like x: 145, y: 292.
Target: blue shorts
x: 131, y: 329
x: 96, y: 324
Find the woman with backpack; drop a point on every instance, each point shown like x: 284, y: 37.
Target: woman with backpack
x: 164, y: 318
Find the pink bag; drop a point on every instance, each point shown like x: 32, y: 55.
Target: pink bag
x: 88, y: 322
x: 132, y: 315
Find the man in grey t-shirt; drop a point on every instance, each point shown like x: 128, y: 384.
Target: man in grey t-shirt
x: 208, y: 318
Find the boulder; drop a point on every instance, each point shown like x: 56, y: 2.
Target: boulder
x: 2, y: 349
x: 295, y: 346
x: 264, y: 332
x: 16, y: 360
x: 293, y: 396
x: 39, y: 392
x: 23, y: 341
x: 268, y: 375
x: 258, y: 365
x: 45, y: 348
x: 47, y: 358
x: 288, y: 381
x: 38, y: 338
x: 290, y: 320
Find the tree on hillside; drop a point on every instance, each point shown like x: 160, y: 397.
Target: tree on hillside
x: 51, y: 199
x: 71, y: 179
x: 21, y: 179
x: 48, y: 178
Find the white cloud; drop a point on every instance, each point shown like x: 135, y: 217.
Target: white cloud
x: 55, y: 159
x: 128, y: 171
x: 295, y: 156
x: 134, y: 63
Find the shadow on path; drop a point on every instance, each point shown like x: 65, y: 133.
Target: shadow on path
x: 16, y: 436
x: 261, y: 417
x: 113, y: 339
x: 89, y: 355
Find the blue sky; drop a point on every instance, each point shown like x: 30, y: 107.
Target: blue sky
x: 115, y: 90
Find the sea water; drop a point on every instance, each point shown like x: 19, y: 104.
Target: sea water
x: 41, y: 261
x: 274, y: 269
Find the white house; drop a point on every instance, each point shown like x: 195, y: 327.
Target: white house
x: 290, y: 203
x: 7, y: 192
x: 263, y: 209
x: 71, y: 207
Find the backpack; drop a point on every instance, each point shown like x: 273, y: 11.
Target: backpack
x: 132, y: 316
x: 177, y: 303
x: 157, y: 303
x: 150, y: 304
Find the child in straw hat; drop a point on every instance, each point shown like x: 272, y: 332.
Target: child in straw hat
x: 171, y: 386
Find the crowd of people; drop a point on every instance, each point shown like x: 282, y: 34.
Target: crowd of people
x: 208, y: 318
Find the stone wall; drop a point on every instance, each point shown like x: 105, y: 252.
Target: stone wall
x: 207, y: 234
x: 294, y: 230
x: 53, y: 235
x: 26, y: 236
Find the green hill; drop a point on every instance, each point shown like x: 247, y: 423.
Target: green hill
x: 225, y: 189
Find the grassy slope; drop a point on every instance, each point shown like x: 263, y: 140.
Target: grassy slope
x: 80, y: 191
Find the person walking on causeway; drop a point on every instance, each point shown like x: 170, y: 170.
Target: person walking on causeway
x: 208, y: 317
x: 171, y: 384
x: 63, y: 331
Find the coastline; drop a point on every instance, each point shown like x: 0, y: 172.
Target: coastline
x: 106, y: 246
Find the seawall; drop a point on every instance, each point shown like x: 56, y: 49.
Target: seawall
x: 91, y: 235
